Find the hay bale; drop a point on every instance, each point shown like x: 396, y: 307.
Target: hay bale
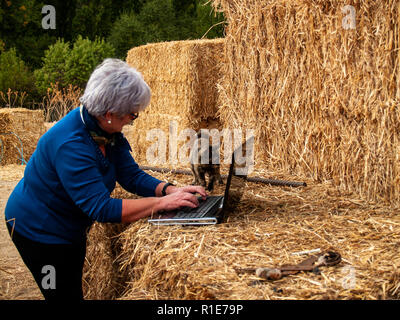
x: 265, y: 230
x: 323, y: 101
x: 327, y: 96
x: 270, y: 224
x: 12, y: 172
x: 49, y: 125
x: 102, y: 279
x: 20, y: 130
x: 182, y: 76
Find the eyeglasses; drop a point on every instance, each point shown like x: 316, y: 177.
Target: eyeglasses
x: 134, y: 115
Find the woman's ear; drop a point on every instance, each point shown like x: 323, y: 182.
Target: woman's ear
x: 108, y: 117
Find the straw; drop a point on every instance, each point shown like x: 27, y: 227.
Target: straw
x: 269, y: 225
x: 323, y: 99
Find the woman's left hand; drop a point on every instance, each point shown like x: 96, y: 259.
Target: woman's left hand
x: 191, y: 189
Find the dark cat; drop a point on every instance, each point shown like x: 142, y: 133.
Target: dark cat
x: 199, y: 169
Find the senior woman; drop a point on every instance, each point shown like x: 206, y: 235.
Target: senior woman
x: 69, y: 178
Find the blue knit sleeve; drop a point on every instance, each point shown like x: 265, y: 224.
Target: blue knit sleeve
x: 83, y: 182
x: 129, y: 175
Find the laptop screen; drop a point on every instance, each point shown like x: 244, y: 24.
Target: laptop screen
x: 236, y: 182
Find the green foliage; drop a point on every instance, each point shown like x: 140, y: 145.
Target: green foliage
x: 164, y: 20
x: 126, y: 33
x: 19, y: 13
x: 185, y: 6
x: 158, y: 20
x: 14, y: 74
x: 208, y: 22
x: 65, y: 66
x: 127, y: 5
x: 93, y: 18
x: 21, y: 29
x: 82, y: 23
x: 54, y: 66
x: 84, y: 57
x: 124, y: 23
x: 154, y: 23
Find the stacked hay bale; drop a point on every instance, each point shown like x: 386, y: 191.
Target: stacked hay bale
x: 20, y: 130
x: 323, y: 101
x: 182, y: 76
x: 318, y: 81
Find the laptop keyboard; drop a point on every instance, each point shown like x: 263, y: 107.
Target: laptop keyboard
x: 201, y: 210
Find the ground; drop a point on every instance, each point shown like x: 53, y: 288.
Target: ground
x: 16, y: 282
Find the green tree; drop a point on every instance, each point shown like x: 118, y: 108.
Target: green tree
x: 185, y: 6
x: 65, y: 65
x: 84, y: 57
x: 164, y: 20
x: 127, y: 32
x: 208, y: 22
x: 124, y: 23
x: 154, y: 23
x: 21, y: 29
x: 14, y: 74
x: 65, y: 13
x: 121, y: 6
x: 54, y: 66
x: 93, y: 18
x: 159, y: 21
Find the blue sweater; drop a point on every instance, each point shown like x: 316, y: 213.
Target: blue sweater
x: 67, y: 183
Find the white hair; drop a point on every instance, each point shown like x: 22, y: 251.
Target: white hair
x: 115, y: 87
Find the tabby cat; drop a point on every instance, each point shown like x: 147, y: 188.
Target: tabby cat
x: 210, y: 167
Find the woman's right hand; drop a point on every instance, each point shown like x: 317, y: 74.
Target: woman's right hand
x: 135, y: 209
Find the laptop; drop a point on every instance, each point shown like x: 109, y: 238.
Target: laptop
x: 213, y: 209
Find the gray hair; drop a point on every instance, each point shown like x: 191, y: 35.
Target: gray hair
x: 116, y: 87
